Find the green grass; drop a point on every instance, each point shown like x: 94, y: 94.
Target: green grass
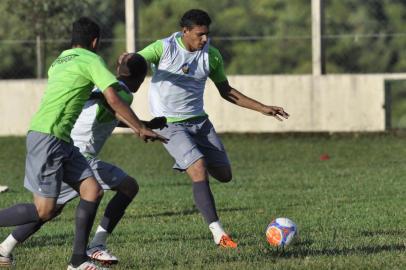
x: 350, y: 210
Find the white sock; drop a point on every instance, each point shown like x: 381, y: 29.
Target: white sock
x: 99, y: 238
x: 8, y: 245
x: 217, y: 231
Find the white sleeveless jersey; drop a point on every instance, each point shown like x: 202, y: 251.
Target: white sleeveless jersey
x: 95, y: 125
x: 178, y: 82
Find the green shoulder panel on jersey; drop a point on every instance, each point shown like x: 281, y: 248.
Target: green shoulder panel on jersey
x: 216, y: 64
x: 153, y: 52
x: 104, y: 113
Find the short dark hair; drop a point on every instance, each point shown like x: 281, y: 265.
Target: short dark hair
x: 136, y: 67
x: 84, y: 31
x: 194, y: 17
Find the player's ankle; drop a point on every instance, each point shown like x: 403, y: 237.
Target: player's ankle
x: 217, y: 231
x: 78, y: 259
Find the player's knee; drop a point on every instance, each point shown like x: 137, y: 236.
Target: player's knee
x: 222, y: 174
x: 133, y: 188
x: 94, y: 195
x: 198, y: 170
x: 129, y: 187
x: 225, y: 177
x: 46, y: 214
x: 90, y: 190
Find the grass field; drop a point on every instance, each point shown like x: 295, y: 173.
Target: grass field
x: 350, y: 210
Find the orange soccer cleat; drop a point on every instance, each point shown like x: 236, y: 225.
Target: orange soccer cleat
x: 227, y: 242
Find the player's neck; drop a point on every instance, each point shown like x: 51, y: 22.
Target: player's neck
x: 83, y: 47
x: 186, y: 45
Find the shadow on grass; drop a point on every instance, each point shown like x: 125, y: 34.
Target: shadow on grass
x: 185, y: 212
x: 363, y: 250
x: 64, y: 239
x: 167, y: 184
x: 398, y: 233
x: 173, y: 238
x: 61, y: 239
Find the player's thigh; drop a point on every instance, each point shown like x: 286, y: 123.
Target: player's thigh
x: 79, y: 175
x: 197, y: 171
x: 181, y: 145
x: 66, y: 194
x: 45, y: 207
x: 112, y: 177
x: 76, y: 167
x: 214, y: 152
x: 44, y: 168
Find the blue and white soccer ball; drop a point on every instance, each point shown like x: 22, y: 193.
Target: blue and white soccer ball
x: 280, y: 232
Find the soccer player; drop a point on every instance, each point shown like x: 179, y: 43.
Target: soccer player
x: 51, y: 155
x: 182, y: 63
x: 93, y: 127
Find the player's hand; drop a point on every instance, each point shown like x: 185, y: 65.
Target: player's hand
x: 275, y: 111
x: 156, y: 123
x: 148, y: 135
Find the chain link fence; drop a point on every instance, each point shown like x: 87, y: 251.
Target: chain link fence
x: 254, y: 37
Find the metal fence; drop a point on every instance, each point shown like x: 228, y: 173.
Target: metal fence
x: 359, y: 36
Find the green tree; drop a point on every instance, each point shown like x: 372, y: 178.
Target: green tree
x: 24, y: 21
x: 36, y: 20
x: 254, y: 37
x: 271, y: 24
x: 361, y: 36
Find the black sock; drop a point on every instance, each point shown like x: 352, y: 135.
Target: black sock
x: 204, y: 201
x: 115, y: 211
x: 85, y: 214
x: 18, y: 214
x: 23, y: 232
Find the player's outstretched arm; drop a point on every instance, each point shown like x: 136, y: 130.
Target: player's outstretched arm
x: 154, y: 123
x: 125, y: 114
x: 234, y: 96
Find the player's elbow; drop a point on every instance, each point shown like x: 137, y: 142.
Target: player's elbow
x: 112, y: 99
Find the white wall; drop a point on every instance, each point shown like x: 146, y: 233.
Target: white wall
x: 331, y: 103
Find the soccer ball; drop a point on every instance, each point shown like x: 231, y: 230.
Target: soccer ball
x: 280, y: 232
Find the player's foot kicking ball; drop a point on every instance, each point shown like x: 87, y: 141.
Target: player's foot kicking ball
x: 102, y: 255
x: 227, y: 242
x: 85, y: 266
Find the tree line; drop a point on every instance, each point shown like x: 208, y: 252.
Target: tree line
x: 254, y: 37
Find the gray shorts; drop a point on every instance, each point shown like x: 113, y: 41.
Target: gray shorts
x: 194, y: 139
x: 50, y: 161
x: 108, y: 176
